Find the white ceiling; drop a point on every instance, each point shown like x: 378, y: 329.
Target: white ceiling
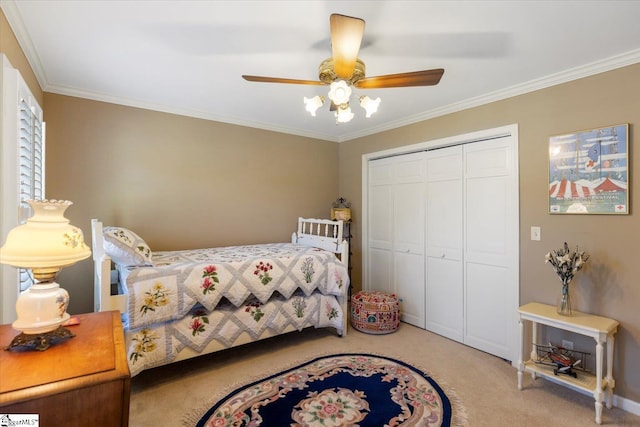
x: 187, y: 57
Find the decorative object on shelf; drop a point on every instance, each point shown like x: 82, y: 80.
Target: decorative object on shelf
x: 589, y: 171
x: 566, y: 264
x: 341, y: 210
x: 563, y: 360
x: 46, y: 243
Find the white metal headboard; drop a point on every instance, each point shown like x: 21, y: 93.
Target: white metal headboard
x: 324, y: 234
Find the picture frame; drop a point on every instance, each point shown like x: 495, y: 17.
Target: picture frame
x: 343, y: 214
x: 589, y: 171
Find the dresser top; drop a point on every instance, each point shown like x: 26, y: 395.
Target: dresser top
x: 92, y: 351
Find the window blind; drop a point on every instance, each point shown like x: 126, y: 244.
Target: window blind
x: 30, y: 167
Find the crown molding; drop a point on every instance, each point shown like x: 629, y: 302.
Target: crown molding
x: 597, y: 67
x: 13, y: 16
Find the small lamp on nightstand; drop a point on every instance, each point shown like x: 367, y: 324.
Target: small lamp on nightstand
x: 46, y: 243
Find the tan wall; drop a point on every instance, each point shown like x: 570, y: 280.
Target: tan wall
x: 10, y: 47
x: 182, y: 182
x: 179, y: 182
x: 608, y: 285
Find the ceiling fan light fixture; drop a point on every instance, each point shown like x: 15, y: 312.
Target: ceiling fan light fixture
x: 370, y: 105
x: 343, y: 113
x: 339, y: 92
x: 312, y: 104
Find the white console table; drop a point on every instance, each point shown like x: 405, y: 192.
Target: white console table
x: 601, y: 329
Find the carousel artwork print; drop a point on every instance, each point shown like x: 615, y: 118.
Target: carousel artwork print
x: 589, y: 172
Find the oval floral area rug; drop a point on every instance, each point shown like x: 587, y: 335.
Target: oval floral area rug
x: 337, y: 391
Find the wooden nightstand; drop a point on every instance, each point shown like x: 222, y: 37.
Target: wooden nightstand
x: 82, y: 382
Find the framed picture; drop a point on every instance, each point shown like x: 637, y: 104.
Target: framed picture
x: 341, y: 213
x: 589, y: 171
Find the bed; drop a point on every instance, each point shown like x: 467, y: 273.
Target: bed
x: 177, y: 305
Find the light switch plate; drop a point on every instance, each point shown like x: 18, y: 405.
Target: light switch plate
x: 535, y: 233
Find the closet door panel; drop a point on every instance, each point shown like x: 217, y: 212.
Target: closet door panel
x: 444, y: 219
x: 408, y: 237
x: 490, y: 285
x: 409, y: 283
x: 380, y: 270
x: 486, y: 321
x: 444, y: 299
x: 408, y: 218
x: 444, y: 243
x: 487, y: 219
x: 380, y: 217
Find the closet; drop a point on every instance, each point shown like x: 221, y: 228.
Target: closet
x: 442, y: 233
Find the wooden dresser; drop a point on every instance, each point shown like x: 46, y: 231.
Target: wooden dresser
x: 83, y: 381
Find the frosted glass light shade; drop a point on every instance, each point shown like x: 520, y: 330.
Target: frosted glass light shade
x: 343, y: 114
x: 312, y: 104
x: 339, y: 92
x: 370, y: 105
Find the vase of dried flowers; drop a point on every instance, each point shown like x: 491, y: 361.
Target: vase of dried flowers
x: 564, y: 301
x: 566, y: 264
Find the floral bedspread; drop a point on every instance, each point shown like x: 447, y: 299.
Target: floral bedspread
x: 157, y: 345
x: 180, y: 280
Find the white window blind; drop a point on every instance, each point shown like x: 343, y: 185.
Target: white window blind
x: 22, y: 171
x: 30, y: 165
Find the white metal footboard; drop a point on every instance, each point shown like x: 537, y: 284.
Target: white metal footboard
x: 327, y: 235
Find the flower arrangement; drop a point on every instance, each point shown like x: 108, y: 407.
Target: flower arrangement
x: 566, y: 264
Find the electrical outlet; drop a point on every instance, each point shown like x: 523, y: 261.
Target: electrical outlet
x: 567, y: 344
x: 535, y: 233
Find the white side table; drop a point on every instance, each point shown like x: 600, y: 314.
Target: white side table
x: 601, y: 329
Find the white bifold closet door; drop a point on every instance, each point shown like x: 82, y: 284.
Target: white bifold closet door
x: 491, y: 239
x: 469, y: 244
x: 442, y: 233
x: 444, y: 221
x: 396, y: 209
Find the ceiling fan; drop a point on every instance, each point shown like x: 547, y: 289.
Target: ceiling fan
x: 345, y: 70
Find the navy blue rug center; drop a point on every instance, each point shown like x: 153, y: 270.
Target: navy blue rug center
x: 334, y: 391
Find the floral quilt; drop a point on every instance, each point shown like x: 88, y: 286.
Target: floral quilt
x: 182, y: 280
x: 157, y: 345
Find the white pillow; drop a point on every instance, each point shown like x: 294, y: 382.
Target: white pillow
x: 125, y: 247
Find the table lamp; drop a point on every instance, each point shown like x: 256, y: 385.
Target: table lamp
x: 45, y: 244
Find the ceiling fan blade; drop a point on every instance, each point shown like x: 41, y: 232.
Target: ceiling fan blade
x: 280, y: 80
x: 346, y: 36
x: 416, y: 78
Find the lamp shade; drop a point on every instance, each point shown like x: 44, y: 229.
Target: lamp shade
x: 46, y: 240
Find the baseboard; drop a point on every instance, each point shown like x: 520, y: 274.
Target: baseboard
x: 626, y: 404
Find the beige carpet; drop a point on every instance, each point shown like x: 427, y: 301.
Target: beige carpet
x: 485, y: 386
